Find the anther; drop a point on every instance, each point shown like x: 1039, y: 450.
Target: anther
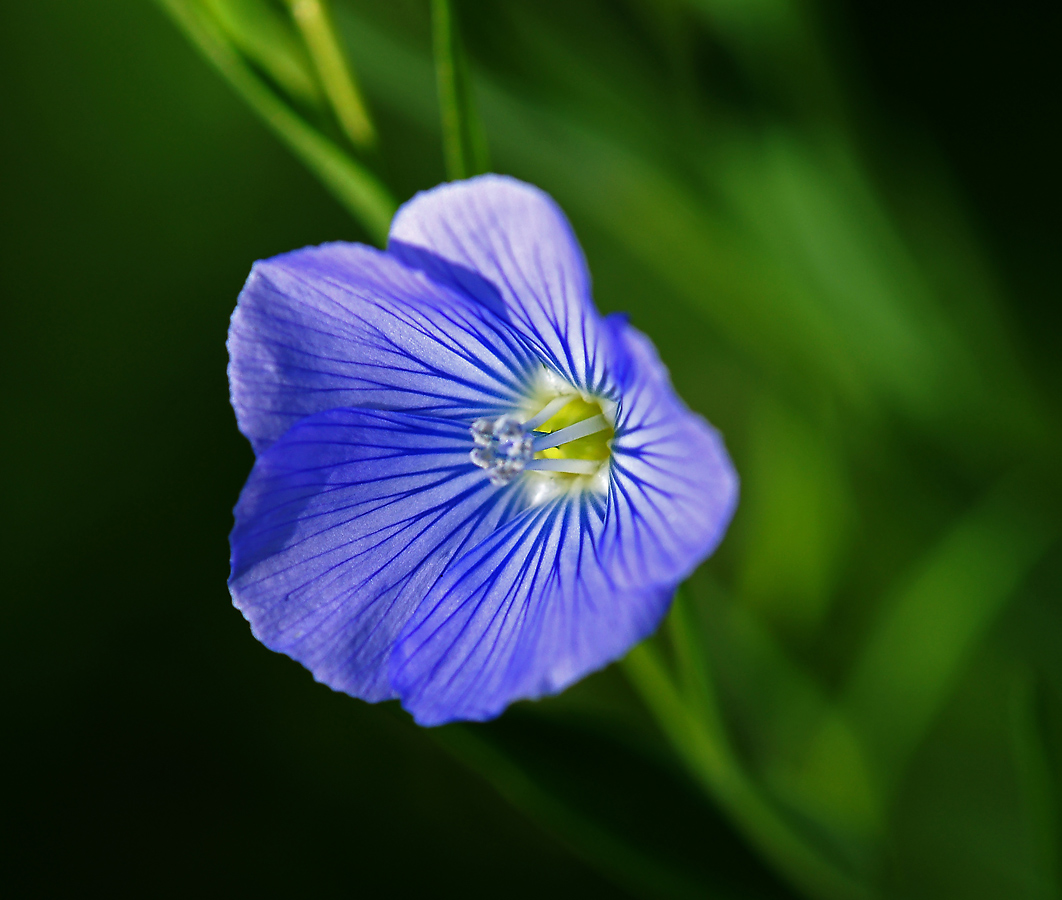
x: 503, y: 448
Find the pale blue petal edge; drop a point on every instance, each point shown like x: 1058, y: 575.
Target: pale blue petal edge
x: 673, y: 488
x: 344, y: 325
x: 509, y: 245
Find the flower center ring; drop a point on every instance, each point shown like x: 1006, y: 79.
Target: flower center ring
x: 505, y: 447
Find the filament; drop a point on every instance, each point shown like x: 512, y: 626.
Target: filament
x: 572, y: 433
x: 549, y: 411
x: 567, y: 466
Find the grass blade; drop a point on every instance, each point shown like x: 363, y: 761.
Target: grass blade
x: 265, y: 36
x: 464, y: 141
x: 336, y: 76
x: 353, y: 185
x: 707, y: 754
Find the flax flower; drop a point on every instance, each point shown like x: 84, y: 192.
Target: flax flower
x: 470, y: 488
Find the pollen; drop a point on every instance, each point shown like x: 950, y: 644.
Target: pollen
x: 503, y: 447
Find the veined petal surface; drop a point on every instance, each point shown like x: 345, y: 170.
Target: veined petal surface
x: 344, y: 325
x: 673, y: 489
x: 342, y: 528
x: 568, y: 586
x: 508, y: 244
x: 527, y: 612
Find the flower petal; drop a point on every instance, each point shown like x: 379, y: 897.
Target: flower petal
x: 509, y: 245
x: 673, y: 488
x: 529, y: 611
x: 344, y: 525
x: 568, y: 586
x: 345, y: 325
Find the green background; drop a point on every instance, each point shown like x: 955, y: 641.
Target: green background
x: 154, y: 748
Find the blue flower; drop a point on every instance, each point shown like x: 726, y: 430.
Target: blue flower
x: 470, y: 488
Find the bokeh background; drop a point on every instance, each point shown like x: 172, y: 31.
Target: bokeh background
x: 899, y: 460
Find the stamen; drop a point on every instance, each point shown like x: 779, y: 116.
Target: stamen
x: 572, y: 433
x: 567, y: 466
x: 549, y: 410
x: 503, y: 448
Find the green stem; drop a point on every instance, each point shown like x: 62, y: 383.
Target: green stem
x: 701, y: 743
x: 338, y: 80
x: 464, y: 141
x: 354, y: 186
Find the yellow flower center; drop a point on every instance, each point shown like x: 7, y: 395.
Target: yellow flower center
x: 592, y: 446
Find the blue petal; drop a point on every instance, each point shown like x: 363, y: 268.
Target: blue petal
x: 510, y: 246
x: 345, y: 325
x: 673, y: 487
x: 567, y: 587
x: 342, y: 528
x: 528, y: 612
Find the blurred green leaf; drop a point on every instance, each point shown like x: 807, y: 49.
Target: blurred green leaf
x: 810, y: 209
x: 797, y: 512
x: 1039, y: 793
x: 780, y: 46
x: 795, y: 740
x: 928, y: 627
x: 960, y: 824
x: 263, y: 35
x: 692, y: 725
x: 353, y: 185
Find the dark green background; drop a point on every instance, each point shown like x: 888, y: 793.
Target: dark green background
x: 153, y: 747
